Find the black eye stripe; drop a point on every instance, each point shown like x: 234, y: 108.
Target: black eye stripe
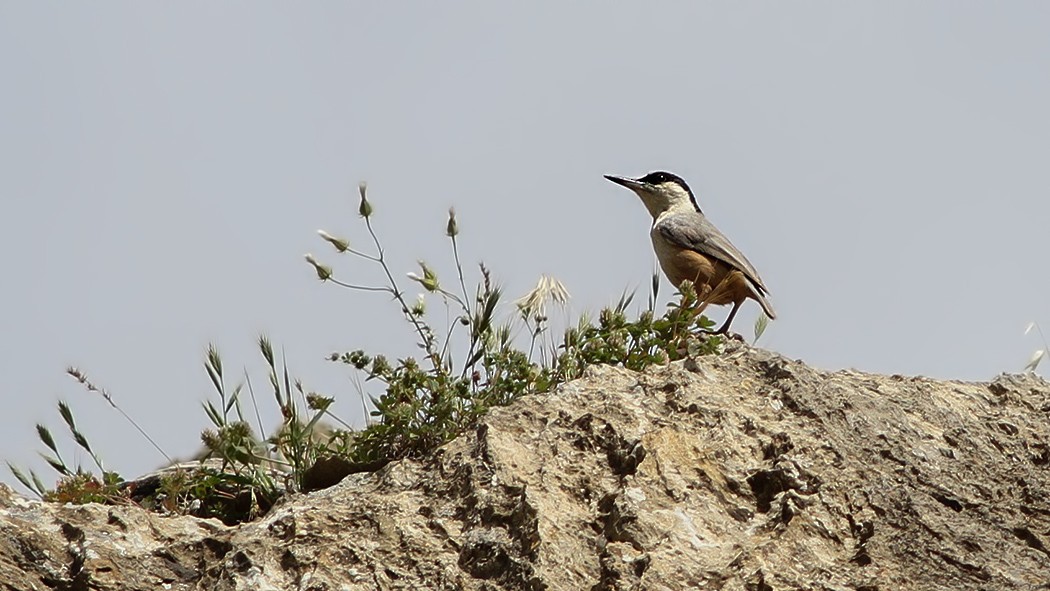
x: 655, y: 178
x: 660, y: 177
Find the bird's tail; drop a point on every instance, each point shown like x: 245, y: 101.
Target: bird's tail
x: 766, y: 306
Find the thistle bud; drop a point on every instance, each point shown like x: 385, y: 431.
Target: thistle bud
x: 323, y: 273
x: 340, y: 244
x: 429, y: 280
x: 366, y: 208
x: 452, y: 229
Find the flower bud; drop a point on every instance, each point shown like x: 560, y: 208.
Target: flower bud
x: 340, y: 244
x: 366, y: 208
x: 420, y: 307
x: 452, y: 229
x: 323, y: 273
x: 429, y: 280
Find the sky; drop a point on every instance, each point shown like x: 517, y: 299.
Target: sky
x: 165, y: 167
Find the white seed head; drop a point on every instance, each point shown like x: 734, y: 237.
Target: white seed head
x: 548, y: 289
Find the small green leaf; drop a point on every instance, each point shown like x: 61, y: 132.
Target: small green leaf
x: 760, y: 326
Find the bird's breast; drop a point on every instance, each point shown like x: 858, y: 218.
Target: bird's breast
x: 680, y: 264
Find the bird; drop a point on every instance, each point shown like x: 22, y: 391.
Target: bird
x: 690, y: 248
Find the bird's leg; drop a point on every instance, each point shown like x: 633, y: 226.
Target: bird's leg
x: 711, y: 295
x: 725, y: 326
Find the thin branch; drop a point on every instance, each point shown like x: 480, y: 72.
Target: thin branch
x: 80, y: 377
x: 251, y: 392
x: 459, y: 269
x: 363, y: 255
x: 426, y: 341
x: 360, y: 287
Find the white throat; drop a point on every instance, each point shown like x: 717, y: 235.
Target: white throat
x: 667, y: 199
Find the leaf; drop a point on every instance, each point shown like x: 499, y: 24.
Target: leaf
x: 309, y: 427
x: 760, y: 326
x: 1034, y: 361
x: 233, y: 400
x: 287, y: 384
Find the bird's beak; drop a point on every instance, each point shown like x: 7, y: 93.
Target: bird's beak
x: 631, y: 184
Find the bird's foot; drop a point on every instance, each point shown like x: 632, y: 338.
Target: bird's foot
x: 722, y: 332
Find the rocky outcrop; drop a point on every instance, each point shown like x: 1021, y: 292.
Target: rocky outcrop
x: 744, y: 471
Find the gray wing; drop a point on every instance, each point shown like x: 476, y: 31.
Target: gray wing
x: 693, y: 231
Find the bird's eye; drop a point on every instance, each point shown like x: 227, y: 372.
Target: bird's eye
x: 655, y: 178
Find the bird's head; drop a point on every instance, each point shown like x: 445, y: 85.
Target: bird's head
x: 660, y: 191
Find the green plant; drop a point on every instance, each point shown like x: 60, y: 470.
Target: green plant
x: 253, y: 473
x: 76, y: 482
x: 468, y: 365
x: 84, y: 487
x: 425, y: 405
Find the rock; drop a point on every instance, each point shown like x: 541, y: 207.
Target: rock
x: 745, y: 471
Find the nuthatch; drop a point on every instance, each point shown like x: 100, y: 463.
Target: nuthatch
x: 690, y: 248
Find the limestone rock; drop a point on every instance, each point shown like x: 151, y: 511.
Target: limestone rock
x: 745, y: 471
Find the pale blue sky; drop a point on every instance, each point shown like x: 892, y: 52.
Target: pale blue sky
x: 164, y: 167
